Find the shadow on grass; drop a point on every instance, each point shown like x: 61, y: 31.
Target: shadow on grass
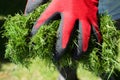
x: 3, y: 60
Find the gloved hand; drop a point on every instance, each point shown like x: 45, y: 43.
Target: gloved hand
x: 33, y: 4
x: 85, y: 11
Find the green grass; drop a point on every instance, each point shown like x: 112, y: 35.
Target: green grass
x: 38, y: 71
x: 20, y: 51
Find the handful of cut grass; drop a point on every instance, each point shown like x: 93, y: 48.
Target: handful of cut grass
x: 105, y: 59
x: 17, y: 28
x: 99, y: 60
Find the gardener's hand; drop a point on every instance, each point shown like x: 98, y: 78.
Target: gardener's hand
x: 85, y: 11
x: 33, y: 4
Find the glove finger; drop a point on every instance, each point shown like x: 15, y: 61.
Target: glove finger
x: 32, y: 4
x: 95, y: 27
x: 45, y: 17
x: 64, y: 32
x: 83, y: 38
x: 96, y: 31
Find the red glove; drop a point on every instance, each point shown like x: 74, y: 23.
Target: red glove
x: 71, y: 10
x: 33, y: 4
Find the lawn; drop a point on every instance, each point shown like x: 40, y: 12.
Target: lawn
x: 38, y: 71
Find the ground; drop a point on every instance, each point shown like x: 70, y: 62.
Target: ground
x: 37, y: 71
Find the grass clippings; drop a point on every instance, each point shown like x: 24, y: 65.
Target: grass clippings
x: 103, y: 58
